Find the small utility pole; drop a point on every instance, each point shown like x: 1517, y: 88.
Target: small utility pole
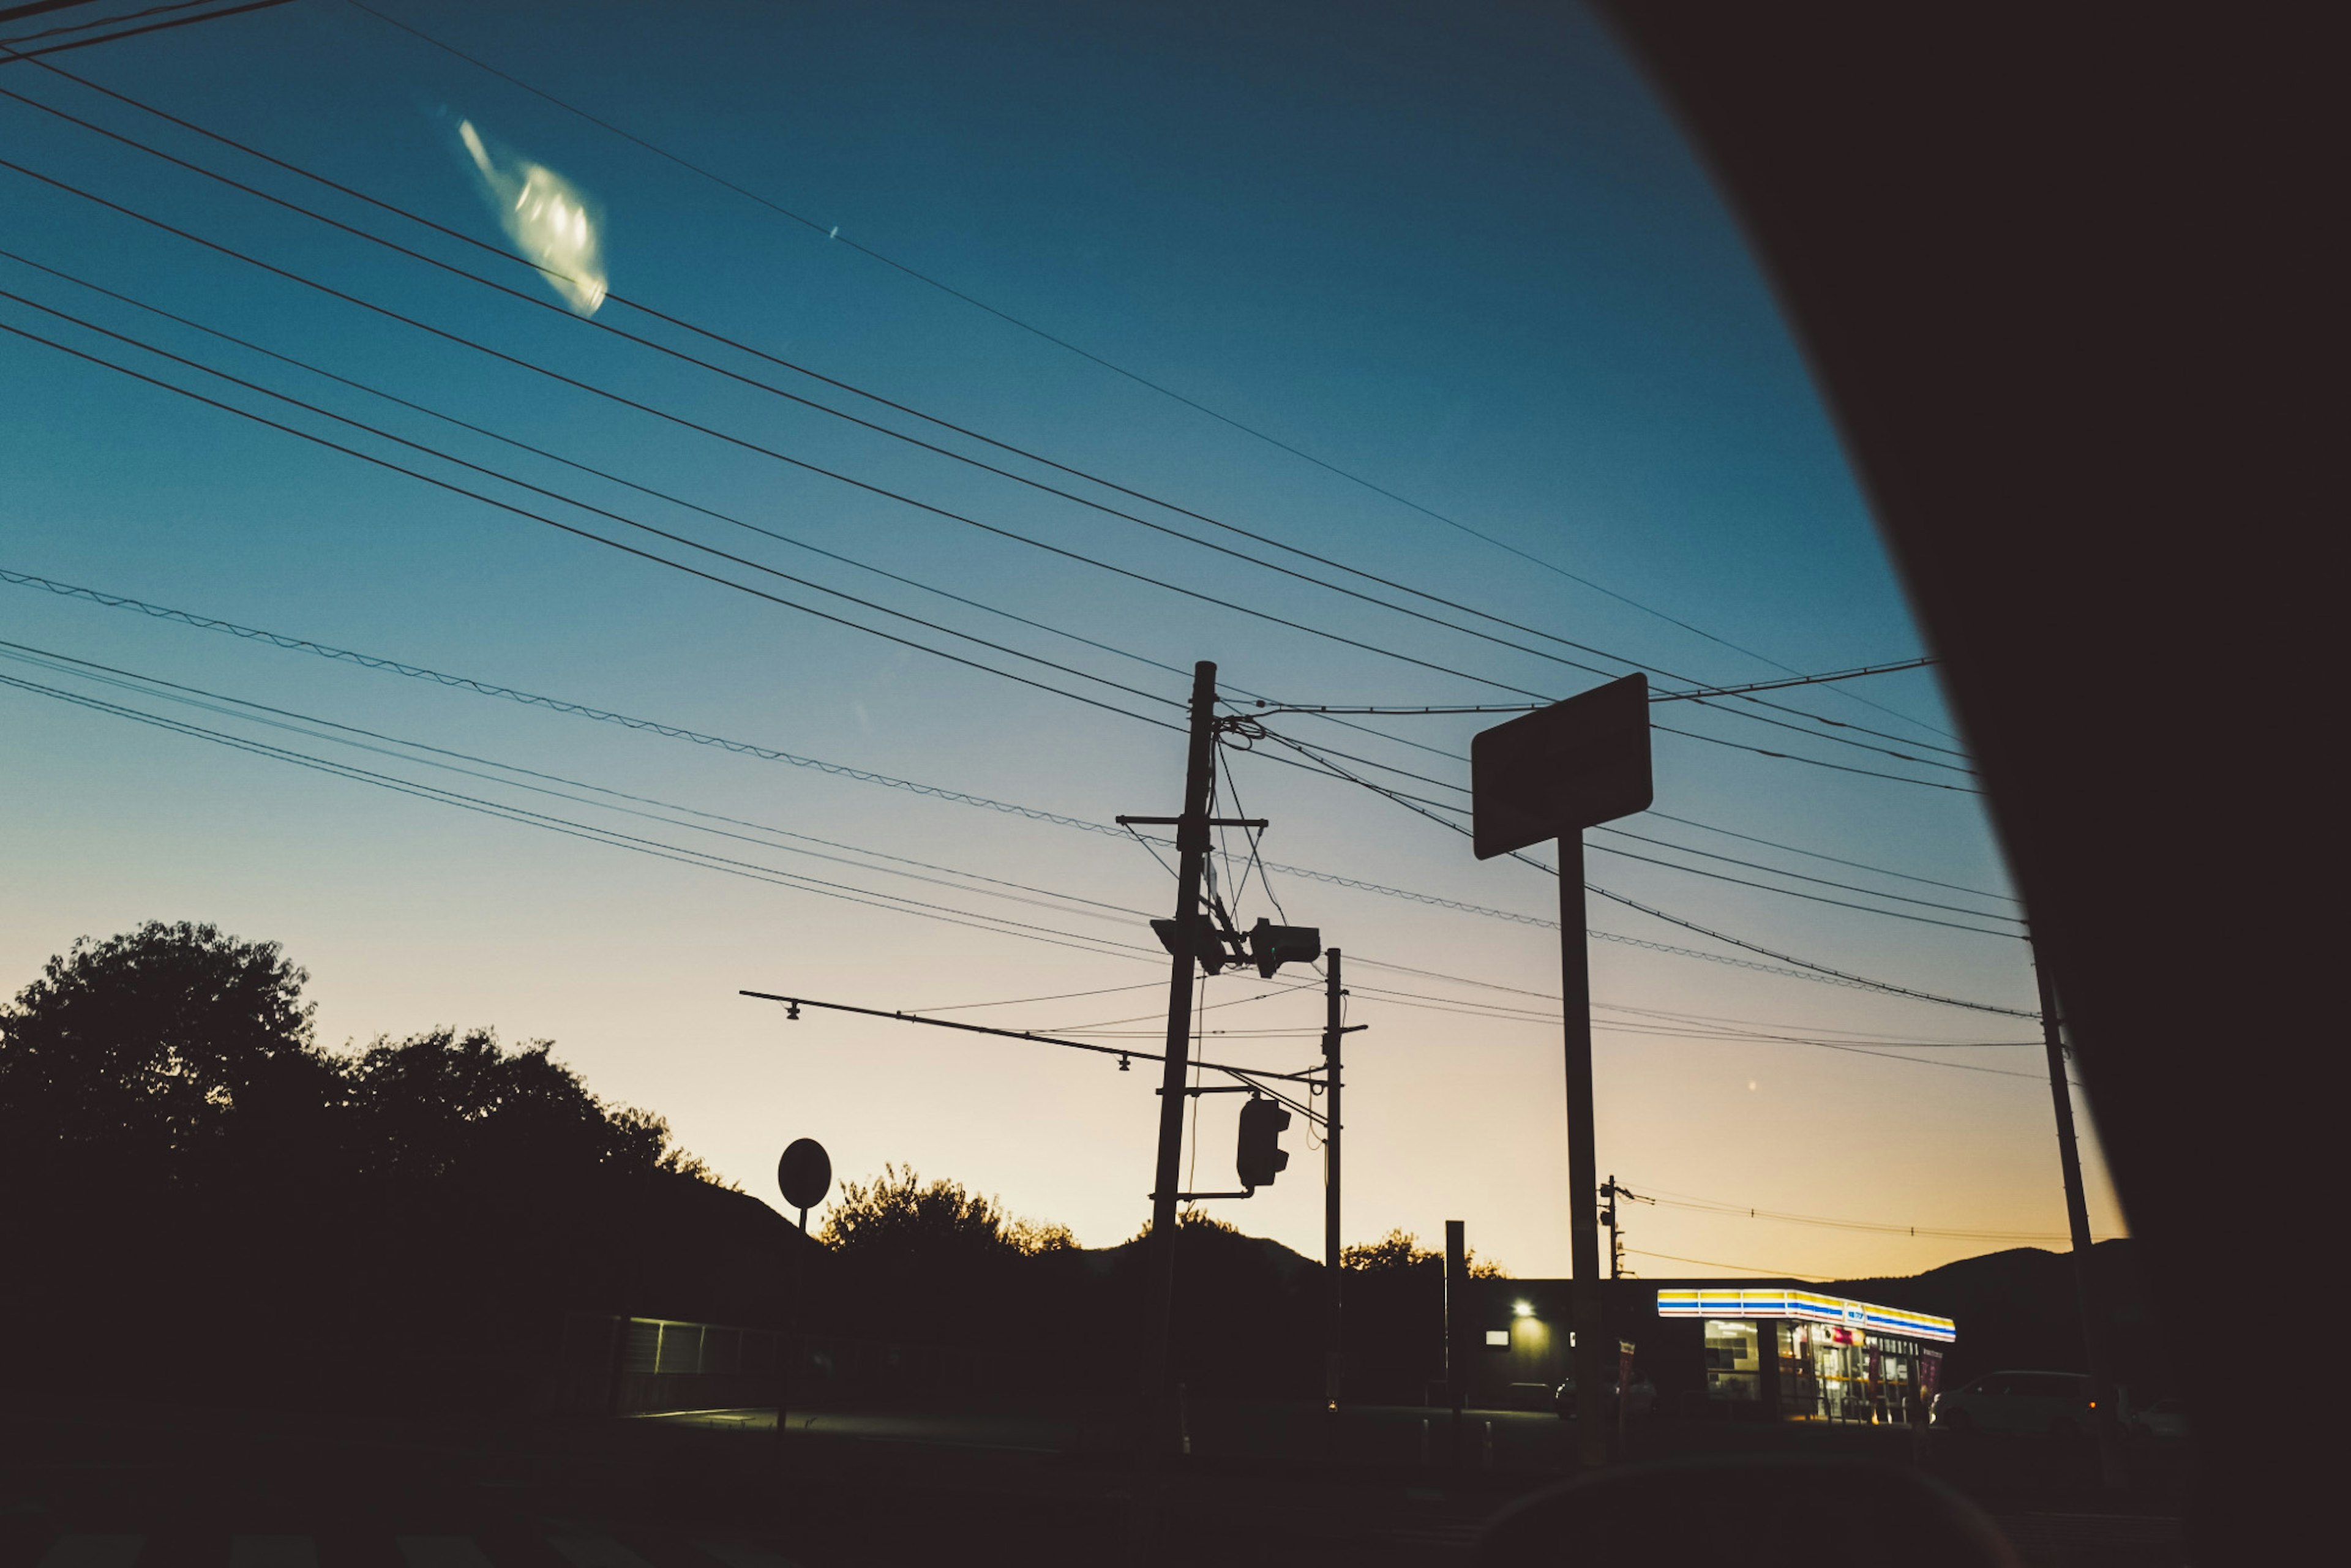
x: 1333, y: 1033
x: 1456, y: 1324
x: 1612, y: 1189
x: 1615, y: 1235
x: 2104, y: 1419
x: 1191, y: 850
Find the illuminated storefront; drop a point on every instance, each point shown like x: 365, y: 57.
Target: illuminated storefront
x: 1803, y: 1356
x: 1749, y: 1351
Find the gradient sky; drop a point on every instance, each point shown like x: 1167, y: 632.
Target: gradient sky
x: 1460, y: 252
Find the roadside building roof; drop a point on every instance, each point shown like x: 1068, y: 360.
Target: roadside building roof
x: 1779, y: 1301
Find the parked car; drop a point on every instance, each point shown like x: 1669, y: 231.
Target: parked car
x: 1643, y: 1400
x: 2051, y: 1401
x: 2164, y: 1418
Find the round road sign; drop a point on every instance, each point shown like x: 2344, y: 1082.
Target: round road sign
x: 805, y: 1172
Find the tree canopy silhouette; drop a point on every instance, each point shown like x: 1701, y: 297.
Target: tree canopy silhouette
x: 1400, y: 1252
x: 229, y: 1208
x: 895, y: 1215
x: 443, y: 1104
x: 170, y: 1044
x: 159, y: 1043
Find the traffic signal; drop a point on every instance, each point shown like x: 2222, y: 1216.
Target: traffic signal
x: 1261, y: 1157
x: 1210, y: 948
x: 1273, y: 945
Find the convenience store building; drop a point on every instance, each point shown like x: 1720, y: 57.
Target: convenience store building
x: 1754, y: 1350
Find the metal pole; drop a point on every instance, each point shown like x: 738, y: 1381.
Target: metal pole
x: 2103, y: 1416
x: 1583, y: 1162
x: 1333, y: 1033
x: 1456, y: 1319
x: 1191, y: 848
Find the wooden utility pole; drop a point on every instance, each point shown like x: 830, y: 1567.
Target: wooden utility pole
x: 1191, y: 928
x: 1333, y: 1033
x: 2105, y: 1419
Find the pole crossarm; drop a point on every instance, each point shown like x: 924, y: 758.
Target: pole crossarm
x: 1245, y: 1073
x: 1178, y: 821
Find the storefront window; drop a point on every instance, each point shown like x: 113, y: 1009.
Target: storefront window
x: 1893, y: 1379
x: 1799, y: 1389
x: 1841, y: 1358
x: 1734, y: 1365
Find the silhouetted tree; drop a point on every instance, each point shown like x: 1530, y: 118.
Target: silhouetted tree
x: 1395, y: 1314
x: 158, y: 1045
x: 896, y: 1216
x: 443, y: 1104
x: 214, y: 1204
x: 1400, y: 1251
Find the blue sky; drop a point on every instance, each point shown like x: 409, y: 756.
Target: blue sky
x: 1462, y: 255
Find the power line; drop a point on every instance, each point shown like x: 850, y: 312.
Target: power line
x: 1551, y: 1021
x: 661, y: 494
x: 245, y: 709
x: 1877, y: 1037
x: 1813, y: 898
x: 553, y: 704
x: 703, y: 859
x: 1815, y: 762
x: 561, y: 706
x: 584, y: 506
x: 19, y: 12
x: 1250, y: 1075
x: 879, y: 490
x: 1816, y: 854
x: 736, y: 376
x: 1056, y: 996
x: 720, y: 337
x: 1808, y: 964
x: 1483, y: 1010
x: 1918, y: 664
x: 575, y: 465
x: 833, y: 233
x: 14, y: 53
x: 1743, y: 1268
x: 1428, y: 709
x: 1800, y: 876
x: 1861, y: 981
x: 694, y: 856
x: 1879, y: 1227
x: 583, y: 533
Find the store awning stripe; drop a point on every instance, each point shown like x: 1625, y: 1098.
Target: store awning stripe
x: 1807, y: 1305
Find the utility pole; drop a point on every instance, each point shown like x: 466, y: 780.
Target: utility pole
x: 1456, y: 1324
x: 2104, y: 1417
x: 1615, y: 1235
x: 1612, y: 1189
x: 1333, y: 1033
x: 1191, y: 850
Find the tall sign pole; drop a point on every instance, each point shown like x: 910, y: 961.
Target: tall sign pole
x: 1191, y: 932
x: 1335, y: 1033
x: 2104, y: 1420
x: 1589, y: 1356
x: 1551, y: 774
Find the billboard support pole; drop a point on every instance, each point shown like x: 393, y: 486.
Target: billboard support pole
x: 1551, y: 774
x: 1589, y: 1354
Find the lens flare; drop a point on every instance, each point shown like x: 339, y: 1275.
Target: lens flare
x: 547, y: 218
